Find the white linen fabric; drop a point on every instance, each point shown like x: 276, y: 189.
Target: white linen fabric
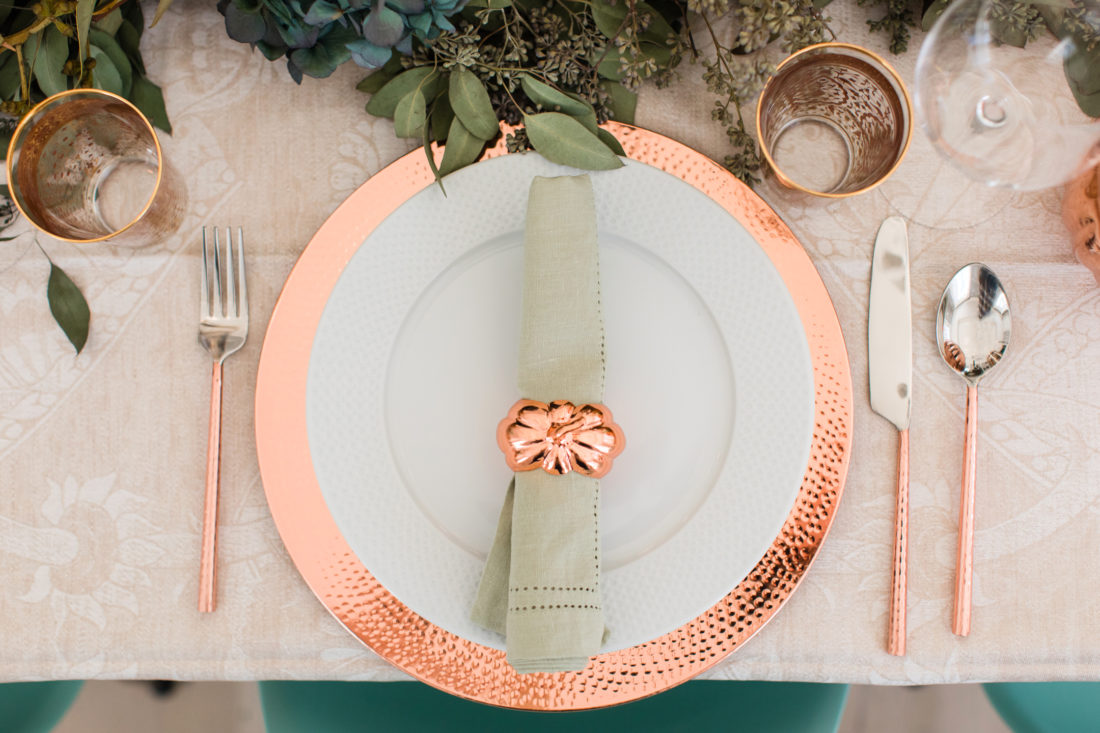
x: 102, y: 455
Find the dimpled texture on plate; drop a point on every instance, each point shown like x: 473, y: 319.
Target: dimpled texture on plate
x: 481, y: 673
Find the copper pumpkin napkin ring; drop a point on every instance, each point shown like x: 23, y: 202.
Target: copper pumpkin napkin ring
x: 560, y: 437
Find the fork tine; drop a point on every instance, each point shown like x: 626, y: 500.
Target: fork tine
x: 204, y: 310
x: 241, y: 289
x: 230, y: 281
x: 219, y: 302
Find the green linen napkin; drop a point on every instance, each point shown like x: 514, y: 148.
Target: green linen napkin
x: 541, y: 583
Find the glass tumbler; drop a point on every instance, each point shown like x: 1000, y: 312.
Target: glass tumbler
x: 834, y: 121
x: 86, y: 166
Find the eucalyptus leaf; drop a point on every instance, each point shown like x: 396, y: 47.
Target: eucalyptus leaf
x: 110, y: 22
x: 622, y: 101
x: 1083, y: 76
x: 588, y: 119
x: 661, y: 55
x: 9, y: 76
x: 820, y: 4
x: 105, y: 76
x: 441, y: 117
x: 470, y: 101
x: 129, y: 40
x: 410, y: 115
x: 162, y: 7
x: 131, y: 13
x: 562, y: 139
x: 551, y: 99
x: 48, y: 51
x: 384, y: 102
x: 658, y: 29
x: 1089, y: 103
x: 463, y: 148
x: 242, y: 26
x: 148, y: 97
x: 118, y: 57
x: 1083, y: 70
x: 610, y: 64
x: 932, y: 14
x: 68, y: 307
x: 609, y: 18
x: 84, y: 10
x: 430, y: 155
x: 379, y: 78
x: 611, y: 142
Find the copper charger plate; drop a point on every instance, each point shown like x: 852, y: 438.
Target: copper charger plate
x: 468, y: 669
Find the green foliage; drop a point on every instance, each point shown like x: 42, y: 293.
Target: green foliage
x: 558, y: 68
x: 49, y: 47
x: 317, y: 36
x: 897, y: 21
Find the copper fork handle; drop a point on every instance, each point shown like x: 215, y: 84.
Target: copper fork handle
x: 896, y: 643
x: 965, y: 563
x: 208, y: 566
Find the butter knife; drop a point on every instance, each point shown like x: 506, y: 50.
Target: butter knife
x: 890, y: 365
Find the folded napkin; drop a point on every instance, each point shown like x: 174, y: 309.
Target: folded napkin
x: 541, y: 583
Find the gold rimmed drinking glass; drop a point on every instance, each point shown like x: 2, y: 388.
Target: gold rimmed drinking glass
x: 86, y: 166
x: 834, y: 121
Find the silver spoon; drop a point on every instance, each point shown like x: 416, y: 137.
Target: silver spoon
x: 973, y: 325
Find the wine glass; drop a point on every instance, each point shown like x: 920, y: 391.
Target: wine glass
x: 1007, y: 115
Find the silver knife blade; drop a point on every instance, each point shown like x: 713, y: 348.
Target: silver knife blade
x: 889, y: 327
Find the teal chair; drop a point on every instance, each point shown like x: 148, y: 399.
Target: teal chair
x: 1047, y: 707
x: 35, y: 707
x: 346, y: 707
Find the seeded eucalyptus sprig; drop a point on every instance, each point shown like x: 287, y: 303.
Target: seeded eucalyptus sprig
x: 736, y: 73
x: 557, y: 68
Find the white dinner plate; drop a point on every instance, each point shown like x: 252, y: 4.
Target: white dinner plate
x: 708, y: 372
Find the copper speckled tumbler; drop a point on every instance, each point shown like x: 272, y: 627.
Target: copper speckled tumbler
x: 86, y: 166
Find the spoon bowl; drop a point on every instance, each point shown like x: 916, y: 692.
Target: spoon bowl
x: 973, y: 322
x: 973, y: 326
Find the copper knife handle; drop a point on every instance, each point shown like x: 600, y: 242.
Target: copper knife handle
x: 896, y: 642
x: 965, y: 562
x: 208, y: 565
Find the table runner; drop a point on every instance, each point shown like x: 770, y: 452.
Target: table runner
x: 102, y: 455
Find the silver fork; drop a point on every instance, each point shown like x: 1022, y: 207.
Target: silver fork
x: 223, y: 328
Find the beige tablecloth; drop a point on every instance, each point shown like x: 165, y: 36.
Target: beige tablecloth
x: 102, y: 455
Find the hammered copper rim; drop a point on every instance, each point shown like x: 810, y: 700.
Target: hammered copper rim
x: 783, y: 178
x: 473, y: 671
x: 19, y: 130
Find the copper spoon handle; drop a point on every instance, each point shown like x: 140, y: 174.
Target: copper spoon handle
x: 896, y: 643
x: 209, y: 563
x: 965, y: 563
